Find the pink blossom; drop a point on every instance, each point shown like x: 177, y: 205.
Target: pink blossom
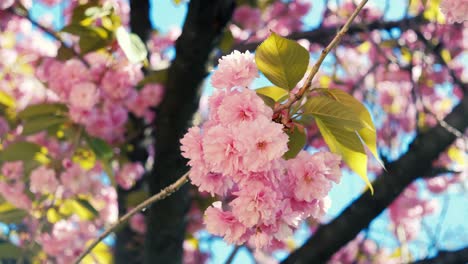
x: 192, y: 147
x: 214, y: 183
x: 223, y: 223
x: 43, y: 180
x: 75, y: 179
x: 256, y: 203
x: 261, y: 142
x: 50, y: 2
x: 248, y: 17
x: 235, y: 69
x: 244, y: 105
x: 455, y: 10
x: 129, y: 174
x: 138, y: 223
x: 117, y: 83
x: 84, y: 95
x: 6, y: 4
x: 13, y: 170
x: 15, y: 194
x: 153, y: 93
x: 310, y: 176
x: 221, y: 150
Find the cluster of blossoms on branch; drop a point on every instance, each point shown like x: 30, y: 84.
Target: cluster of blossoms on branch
x: 238, y: 156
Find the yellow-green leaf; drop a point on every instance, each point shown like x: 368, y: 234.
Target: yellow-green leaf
x: 276, y: 93
x: 80, y: 207
x: 132, y: 45
x: 21, y: 150
x: 283, y: 61
x: 35, y: 110
x: 101, y: 253
x: 6, y: 99
x: 10, y: 251
x: 348, y: 145
x: 368, y: 133
x: 297, y: 141
x: 40, y: 123
x: 10, y: 214
x: 102, y: 150
x: 332, y: 111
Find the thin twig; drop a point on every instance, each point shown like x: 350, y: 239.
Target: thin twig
x: 232, y: 255
x: 157, y: 197
x: 49, y: 32
x: 294, y: 97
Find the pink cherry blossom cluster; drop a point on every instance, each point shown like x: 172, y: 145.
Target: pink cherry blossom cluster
x: 238, y: 155
x: 101, y: 96
x: 407, y: 211
x: 280, y: 17
x: 363, y: 251
x: 456, y: 11
x: 160, y: 46
x: 338, y: 13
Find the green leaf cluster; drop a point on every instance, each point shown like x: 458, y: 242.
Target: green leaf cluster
x: 346, y: 127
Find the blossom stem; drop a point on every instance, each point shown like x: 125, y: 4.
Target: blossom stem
x: 294, y: 97
x: 157, y: 197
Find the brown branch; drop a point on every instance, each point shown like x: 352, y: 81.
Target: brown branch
x: 414, y: 163
x: 145, y: 204
x: 437, y: 51
x: 294, y: 97
x: 447, y: 257
x: 53, y: 34
x: 323, y: 35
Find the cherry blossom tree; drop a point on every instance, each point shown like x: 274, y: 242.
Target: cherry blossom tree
x: 104, y: 130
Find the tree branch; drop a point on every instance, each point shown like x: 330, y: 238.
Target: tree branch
x: 416, y: 162
x: 157, y: 197
x: 23, y: 14
x: 447, y: 257
x: 323, y: 35
x: 294, y: 97
x: 203, y: 27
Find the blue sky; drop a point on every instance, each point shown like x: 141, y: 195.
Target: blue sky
x: 165, y: 14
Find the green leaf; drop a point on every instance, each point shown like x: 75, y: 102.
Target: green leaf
x: 227, y: 41
x: 348, y: 145
x: 6, y: 100
x: 10, y: 251
x: 36, y: 110
x: 331, y: 111
x: 132, y: 45
x: 81, y: 207
x: 283, y: 61
x: 40, y: 123
x: 91, y: 38
x: 135, y: 198
x: 276, y: 93
x: 102, y: 150
x: 159, y: 76
x: 368, y: 133
x: 297, y: 141
x: 9, y: 214
x: 21, y: 150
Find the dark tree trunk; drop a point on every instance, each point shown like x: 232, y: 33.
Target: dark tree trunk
x: 203, y: 27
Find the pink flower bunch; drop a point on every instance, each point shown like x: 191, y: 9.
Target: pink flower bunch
x: 282, y: 18
x: 407, y: 211
x: 456, y: 11
x: 363, y: 251
x: 129, y: 174
x: 100, y: 97
x: 238, y: 155
x: 67, y: 239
